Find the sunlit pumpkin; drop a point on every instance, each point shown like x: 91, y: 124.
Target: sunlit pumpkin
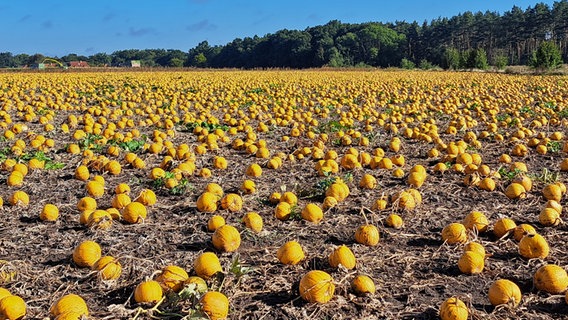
x: 207, y: 265
x: 148, y: 291
x: 504, y: 291
x: 551, y: 278
x: 290, y: 253
x: 226, y: 238
x: 342, y: 255
x: 453, y: 309
x: 215, y: 305
x: 317, y: 286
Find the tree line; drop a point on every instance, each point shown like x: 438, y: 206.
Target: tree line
x: 467, y: 40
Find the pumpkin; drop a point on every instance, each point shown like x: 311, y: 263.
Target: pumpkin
x: 504, y: 291
x: 471, y: 262
x: 146, y: 197
x: 108, y: 267
x: 453, y: 309
x: 454, y: 233
x: 367, y: 235
x: 207, y: 265
x: 398, y: 173
x: 207, y: 202
x: 86, y: 253
x: 148, y: 291
x: 95, y: 189
x: 215, y: 222
x: 521, y: 230
x: 403, y: 200
x: 394, y: 221
x: 248, y: 187
x: 99, y: 219
x: 172, y: 278
x: 232, y: 202
x: 15, y: 179
x: 254, y: 170
x: 253, y: 221
x: 289, y: 197
x: 398, y: 160
x: 503, y: 227
x: 226, y: 238
x: 416, y: 178
x: 329, y: 202
x: 120, y: 200
x: 12, y: 308
x: 4, y: 293
x: 549, y: 217
x: 476, y: 220
x: 220, y: 163
x: 122, y: 188
x: 113, y: 167
x: 20, y: 199
x: 275, y: 197
x: 134, y: 212
x: 215, y: 305
x: 368, y: 182
x: 86, y: 203
x: 487, y: 184
x: 379, y: 204
x: 317, y: 286
x: 362, y: 285
x: 552, y: 191
x: 339, y: 191
x: 551, y: 278
x: 342, y: 255
x: 533, y: 246
x: 282, y: 210
x: 290, y: 253
x: 197, y: 283
x: 69, y: 303
x: 82, y: 173
x: 554, y: 205
x: 49, y: 212
x: 525, y: 181
x: 475, y: 247
x: 312, y: 213
x: 515, y: 190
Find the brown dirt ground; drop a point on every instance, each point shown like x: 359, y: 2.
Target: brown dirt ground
x: 414, y: 271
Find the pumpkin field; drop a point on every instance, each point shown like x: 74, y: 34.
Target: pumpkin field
x: 315, y: 194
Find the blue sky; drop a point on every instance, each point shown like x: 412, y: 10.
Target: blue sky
x: 59, y: 27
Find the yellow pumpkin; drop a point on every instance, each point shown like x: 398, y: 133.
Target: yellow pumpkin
x: 122, y: 188
x: 49, y: 212
x: 551, y: 278
x: 312, y: 213
x: 549, y: 217
x: 282, y: 211
x: 226, y: 238
x: 15, y: 179
x: 86, y: 203
x: 404, y: 200
x: 290, y: 198
x: 515, y: 190
x: 552, y: 192
x: 95, y: 189
x: 290, y: 253
x: 394, y: 221
x: 416, y: 178
x: 339, y: 191
x: 248, y: 187
x: 454, y: 233
x: 134, y: 212
x: 522, y: 230
x: 207, y: 202
x: 475, y: 247
x: 148, y: 291
x: 232, y: 202
x: 120, y: 200
x: 215, y: 305
x: 86, y: 253
x: 108, y: 267
x: 215, y: 222
x: 197, y: 283
x: 69, y: 303
x: 172, y: 278
x: 476, y: 220
x: 453, y: 309
x: 504, y: 291
x: 113, y: 167
x: 344, y: 256
x: 367, y: 235
x: 82, y: 173
x: 4, y: 293
x: 253, y: 221
x: 99, y: 219
x: 317, y: 286
x: 362, y: 285
x: 368, y: 182
x: 12, y: 308
x: 471, y: 262
x: 254, y: 170
x: 503, y: 227
x: 207, y: 265
x: 534, y: 246
x: 20, y: 199
x: 220, y: 163
x: 487, y: 184
x: 329, y: 202
x: 146, y: 197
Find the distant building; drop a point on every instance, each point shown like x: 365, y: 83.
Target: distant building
x: 78, y: 64
x: 135, y: 64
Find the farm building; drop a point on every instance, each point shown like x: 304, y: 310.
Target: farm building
x: 78, y: 64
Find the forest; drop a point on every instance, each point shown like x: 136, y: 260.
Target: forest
x: 466, y: 40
